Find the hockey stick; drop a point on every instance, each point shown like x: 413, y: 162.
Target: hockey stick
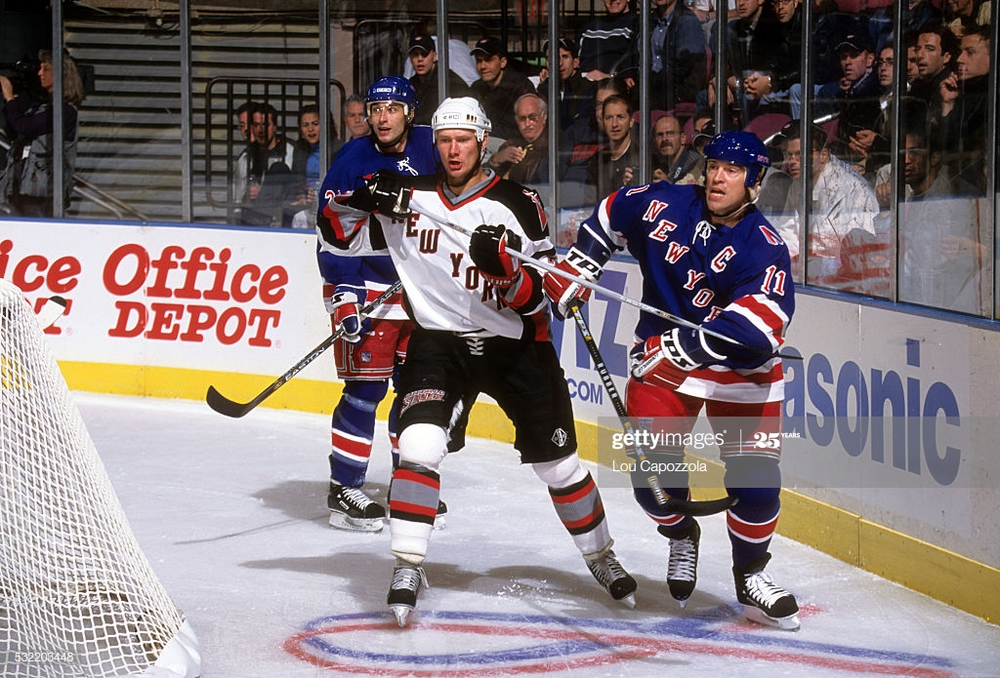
x: 51, y: 311
x: 231, y: 408
x: 641, y: 305
x: 683, y: 507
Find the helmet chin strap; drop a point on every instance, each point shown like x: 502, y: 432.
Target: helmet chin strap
x: 754, y: 192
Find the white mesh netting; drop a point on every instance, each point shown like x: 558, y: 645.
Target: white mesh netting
x: 77, y: 595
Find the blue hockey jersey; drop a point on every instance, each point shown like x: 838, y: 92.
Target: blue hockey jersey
x: 735, y: 281
x: 357, y: 160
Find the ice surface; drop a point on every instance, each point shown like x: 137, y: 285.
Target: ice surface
x: 232, y: 515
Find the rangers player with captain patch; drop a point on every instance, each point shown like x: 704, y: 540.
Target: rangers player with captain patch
x: 709, y: 257
x: 482, y: 326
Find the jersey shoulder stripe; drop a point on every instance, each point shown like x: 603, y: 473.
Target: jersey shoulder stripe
x: 525, y: 204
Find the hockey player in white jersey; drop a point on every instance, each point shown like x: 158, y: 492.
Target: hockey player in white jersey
x: 482, y: 327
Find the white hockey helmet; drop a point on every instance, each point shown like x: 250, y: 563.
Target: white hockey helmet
x: 461, y: 113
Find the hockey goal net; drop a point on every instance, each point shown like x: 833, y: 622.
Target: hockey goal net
x: 77, y: 595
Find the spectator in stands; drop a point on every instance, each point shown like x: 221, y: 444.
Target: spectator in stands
x: 576, y: 93
x: 27, y: 180
x: 786, y: 82
x: 616, y: 165
x: 606, y: 42
x: 752, y: 41
x: 243, y: 120
x: 580, y: 143
x: 936, y: 47
x: 870, y: 139
x: 306, y: 165
x: 498, y: 88
x: 854, y: 97
x: 271, y: 184
x: 678, y: 56
x: 241, y: 161
x: 919, y: 13
x: 524, y: 158
x: 971, y: 107
x: 972, y: 12
x: 423, y: 57
x: 941, y: 242
x: 673, y: 159
x: 843, y: 206
x: 354, y: 117
x: 912, y: 72
x: 706, y: 130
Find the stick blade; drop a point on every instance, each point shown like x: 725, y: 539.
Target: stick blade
x: 51, y: 311
x: 706, y: 507
x: 224, y: 405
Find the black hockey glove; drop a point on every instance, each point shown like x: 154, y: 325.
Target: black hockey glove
x: 488, y: 249
x: 386, y: 193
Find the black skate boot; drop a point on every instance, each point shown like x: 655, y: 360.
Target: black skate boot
x: 764, y: 601
x: 407, y: 579
x: 612, y: 576
x: 682, y: 566
x: 352, y: 509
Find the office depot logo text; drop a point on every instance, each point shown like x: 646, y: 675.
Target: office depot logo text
x: 189, y: 279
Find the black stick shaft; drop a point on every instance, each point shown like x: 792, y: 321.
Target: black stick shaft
x: 232, y: 408
x: 673, y: 504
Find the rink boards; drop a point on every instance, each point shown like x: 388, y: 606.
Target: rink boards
x: 888, y: 457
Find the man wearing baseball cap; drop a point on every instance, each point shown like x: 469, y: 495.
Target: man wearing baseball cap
x: 498, y: 88
x: 855, y: 96
x: 423, y: 58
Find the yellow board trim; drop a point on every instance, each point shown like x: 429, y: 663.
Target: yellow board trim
x: 945, y: 576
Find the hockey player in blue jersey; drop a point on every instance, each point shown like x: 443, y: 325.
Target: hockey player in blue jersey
x: 372, y: 348
x: 707, y: 255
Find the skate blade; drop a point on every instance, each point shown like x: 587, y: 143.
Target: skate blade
x: 343, y: 522
x: 754, y: 614
x: 628, y: 601
x: 440, y: 522
x: 402, y: 614
x: 682, y: 602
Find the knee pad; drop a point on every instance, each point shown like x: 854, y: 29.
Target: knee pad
x: 365, y: 395
x: 424, y: 445
x: 756, y: 481
x: 561, y: 472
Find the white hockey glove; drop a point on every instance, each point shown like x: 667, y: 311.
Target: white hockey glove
x: 563, y: 291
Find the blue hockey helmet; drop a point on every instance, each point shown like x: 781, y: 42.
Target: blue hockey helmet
x: 740, y: 148
x: 393, y: 88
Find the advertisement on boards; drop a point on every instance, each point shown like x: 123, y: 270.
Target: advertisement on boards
x: 876, y: 401
x: 199, y: 298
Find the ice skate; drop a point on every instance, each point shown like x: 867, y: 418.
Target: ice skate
x: 764, y: 601
x: 682, y: 566
x: 612, y: 576
x: 352, y: 509
x: 407, y: 579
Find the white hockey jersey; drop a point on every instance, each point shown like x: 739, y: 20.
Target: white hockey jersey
x: 444, y: 289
